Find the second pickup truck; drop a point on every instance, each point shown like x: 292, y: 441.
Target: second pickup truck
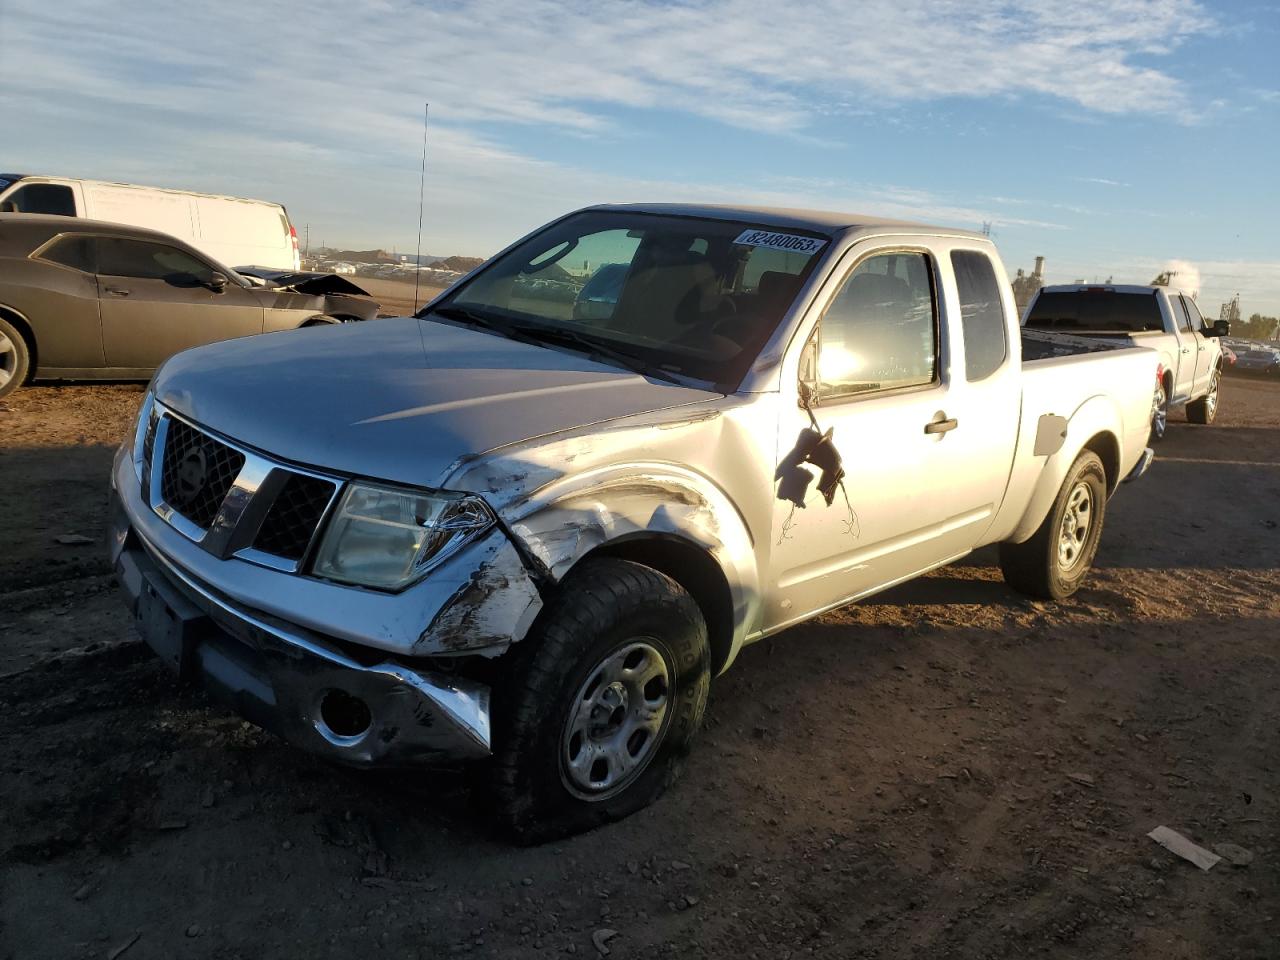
x: 1163, y: 319
x: 527, y: 526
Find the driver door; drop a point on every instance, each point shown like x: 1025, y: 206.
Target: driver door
x: 157, y: 299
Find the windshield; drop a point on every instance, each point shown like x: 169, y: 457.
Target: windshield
x: 683, y: 295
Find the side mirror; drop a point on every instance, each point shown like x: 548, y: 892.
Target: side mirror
x: 217, y: 282
x: 8, y: 206
x: 1221, y: 328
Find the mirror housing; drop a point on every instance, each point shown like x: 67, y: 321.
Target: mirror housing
x: 8, y: 206
x: 218, y: 281
x: 1220, y: 328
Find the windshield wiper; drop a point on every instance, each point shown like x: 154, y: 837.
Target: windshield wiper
x: 475, y: 319
x: 541, y: 336
x: 597, y: 350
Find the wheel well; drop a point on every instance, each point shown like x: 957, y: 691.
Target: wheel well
x: 695, y: 570
x: 19, y: 323
x: 319, y: 320
x: 1108, y: 451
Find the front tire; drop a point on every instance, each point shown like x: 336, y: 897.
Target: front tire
x: 604, y: 700
x: 1053, y: 563
x: 1159, y: 412
x: 15, y: 358
x: 1205, y: 410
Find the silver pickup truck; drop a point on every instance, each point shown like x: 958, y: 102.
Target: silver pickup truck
x: 1165, y: 320
x: 527, y: 526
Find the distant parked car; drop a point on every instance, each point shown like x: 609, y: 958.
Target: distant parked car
x: 1256, y: 357
x: 80, y: 299
x: 1228, y: 356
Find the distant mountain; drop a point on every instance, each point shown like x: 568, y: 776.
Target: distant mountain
x: 459, y: 264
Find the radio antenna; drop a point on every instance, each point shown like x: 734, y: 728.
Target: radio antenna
x: 422, y: 181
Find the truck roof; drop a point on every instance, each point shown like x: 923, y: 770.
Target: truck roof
x: 818, y: 221
x: 1108, y: 287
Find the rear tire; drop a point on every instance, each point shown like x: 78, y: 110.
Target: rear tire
x: 1053, y: 563
x: 1205, y: 410
x: 15, y: 358
x: 604, y: 699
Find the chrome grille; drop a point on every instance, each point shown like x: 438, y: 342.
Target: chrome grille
x: 196, y: 472
x: 149, y: 443
x: 295, y: 514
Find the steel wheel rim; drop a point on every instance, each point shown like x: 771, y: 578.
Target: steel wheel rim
x: 616, y: 721
x: 8, y: 359
x: 1077, y: 521
x: 1160, y: 412
x: 1211, y: 398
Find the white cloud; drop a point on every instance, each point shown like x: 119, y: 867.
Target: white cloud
x: 567, y: 63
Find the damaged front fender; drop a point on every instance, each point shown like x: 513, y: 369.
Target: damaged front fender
x: 495, y: 605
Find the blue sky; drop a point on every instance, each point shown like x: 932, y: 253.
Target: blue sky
x: 1112, y: 136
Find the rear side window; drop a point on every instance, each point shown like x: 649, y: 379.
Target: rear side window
x: 880, y: 331
x: 1100, y: 309
x: 74, y: 252
x: 1193, y: 314
x: 42, y: 198
x: 146, y: 260
x: 986, y: 341
x: 1180, y: 316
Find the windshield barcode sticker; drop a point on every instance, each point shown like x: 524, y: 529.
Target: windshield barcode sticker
x: 792, y: 242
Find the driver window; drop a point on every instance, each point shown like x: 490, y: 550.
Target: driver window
x: 144, y: 260
x: 880, y: 330
x: 1194, y: 315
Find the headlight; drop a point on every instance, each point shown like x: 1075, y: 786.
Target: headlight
x: 143, y: 432
x: 386, y: 537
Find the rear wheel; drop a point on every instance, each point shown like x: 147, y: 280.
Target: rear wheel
x: 15, y: 358
x: 604, y: 701
x: 1205, y: 409
x: 1053, y: 563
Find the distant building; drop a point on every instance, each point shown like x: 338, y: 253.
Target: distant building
x: 1025, y: 285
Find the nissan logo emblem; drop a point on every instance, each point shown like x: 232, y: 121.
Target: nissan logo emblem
x: 191, y: 476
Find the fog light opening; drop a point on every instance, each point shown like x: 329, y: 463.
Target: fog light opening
x: 345, y: 716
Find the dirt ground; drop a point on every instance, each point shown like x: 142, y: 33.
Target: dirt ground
x: 948, y: 770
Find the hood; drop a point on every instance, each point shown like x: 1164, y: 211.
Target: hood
x: 401, y: 399
x: 303, y: 281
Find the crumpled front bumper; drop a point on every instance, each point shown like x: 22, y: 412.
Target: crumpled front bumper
x: 292, y: 681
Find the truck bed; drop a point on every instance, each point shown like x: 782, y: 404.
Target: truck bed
x: 1042, y: 345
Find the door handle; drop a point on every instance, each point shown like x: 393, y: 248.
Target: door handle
x: 1186, y: 349
x: 941, y: 426
x: 117, y: 291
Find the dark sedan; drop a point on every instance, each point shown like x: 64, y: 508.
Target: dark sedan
x: 80, y: 299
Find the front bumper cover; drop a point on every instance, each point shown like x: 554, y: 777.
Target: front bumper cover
x: 278, y: 675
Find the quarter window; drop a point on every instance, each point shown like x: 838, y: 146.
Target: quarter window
x: 74, y: 252
x: 145, y: 260
x: 880, y: 330
x: 986, y: 340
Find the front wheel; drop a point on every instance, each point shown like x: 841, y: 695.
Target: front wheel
x: 1053, y: 563
x: 603, y: 702
x: 1159, y: 412
x: 1206, y: 408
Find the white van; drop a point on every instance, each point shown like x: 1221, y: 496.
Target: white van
x: 231, y: 230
